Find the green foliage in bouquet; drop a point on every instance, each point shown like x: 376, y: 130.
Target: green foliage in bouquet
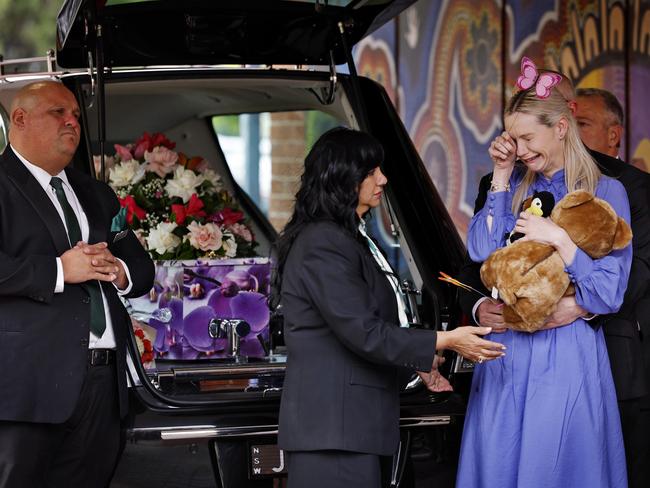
x: 177, y: 206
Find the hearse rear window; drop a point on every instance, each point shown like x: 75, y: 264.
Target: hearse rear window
x: 265, y: 154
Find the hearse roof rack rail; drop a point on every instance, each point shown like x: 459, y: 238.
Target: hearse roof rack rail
x: 22, y: 68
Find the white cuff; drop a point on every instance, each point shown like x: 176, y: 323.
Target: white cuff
x: 128, y: 279
x: 58, y: 288
x: 475, y: 308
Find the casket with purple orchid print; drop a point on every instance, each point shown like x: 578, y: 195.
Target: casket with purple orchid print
x: 190, y: 299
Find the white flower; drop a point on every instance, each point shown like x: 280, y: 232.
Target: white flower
x: 126, y: 173
x: 184, y: 183
x: 229, y: 245
x: 161, y: 239
x: 212, y: 177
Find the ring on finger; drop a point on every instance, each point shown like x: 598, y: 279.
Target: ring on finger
x: 480, y: 359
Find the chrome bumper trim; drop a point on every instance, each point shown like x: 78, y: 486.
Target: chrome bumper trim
x: 425, y: 421
x: 212, y: 432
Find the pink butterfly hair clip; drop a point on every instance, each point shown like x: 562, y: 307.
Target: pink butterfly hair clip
x: 530, y: 76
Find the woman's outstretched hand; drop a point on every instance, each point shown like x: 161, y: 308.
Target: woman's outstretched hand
x: 467, y: 342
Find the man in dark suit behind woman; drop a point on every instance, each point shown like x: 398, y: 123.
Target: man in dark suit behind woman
x: 627, y: 333
x: 63, y: 328
x: 340, y: 403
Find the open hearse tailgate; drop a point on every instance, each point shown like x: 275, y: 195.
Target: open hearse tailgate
x: 208, y: 32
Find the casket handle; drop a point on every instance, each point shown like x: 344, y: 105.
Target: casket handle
x: 231, y: 329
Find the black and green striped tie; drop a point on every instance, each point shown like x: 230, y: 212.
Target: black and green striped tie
x: 97, y: 315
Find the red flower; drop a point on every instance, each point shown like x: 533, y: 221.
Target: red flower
x: 192, y: 209
x: 132, y: 209
x: 227, y: 217
x: 147, y: 142
x: 147, y: 346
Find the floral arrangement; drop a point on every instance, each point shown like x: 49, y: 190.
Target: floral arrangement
x: 176, y: 205
x: 143, y: 338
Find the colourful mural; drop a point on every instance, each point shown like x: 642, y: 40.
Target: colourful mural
x: 449, y: 66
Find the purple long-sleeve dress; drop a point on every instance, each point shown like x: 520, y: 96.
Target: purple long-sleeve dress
x: 546, y: 415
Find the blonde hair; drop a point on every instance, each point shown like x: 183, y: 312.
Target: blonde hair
x: 580, y: 169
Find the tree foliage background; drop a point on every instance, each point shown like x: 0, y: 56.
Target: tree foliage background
x: 27, y: 27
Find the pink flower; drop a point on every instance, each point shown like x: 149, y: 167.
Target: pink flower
x: 242, y: 231
x: 123, y: 152
x: 161, y: 160
x: 206, y: 237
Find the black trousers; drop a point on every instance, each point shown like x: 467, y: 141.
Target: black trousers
x: 81, y: 452
x: 635, y: 424
x: 335, y: 469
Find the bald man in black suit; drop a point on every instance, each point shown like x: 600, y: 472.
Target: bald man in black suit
x: 63, y: 328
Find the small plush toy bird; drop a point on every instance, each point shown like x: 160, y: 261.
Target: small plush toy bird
x: 541, y: 204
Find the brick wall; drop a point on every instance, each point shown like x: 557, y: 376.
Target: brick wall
x: 287, y: 157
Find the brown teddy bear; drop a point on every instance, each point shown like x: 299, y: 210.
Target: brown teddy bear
x: 529, y: 276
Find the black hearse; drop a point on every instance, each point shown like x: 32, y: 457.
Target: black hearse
x: 192, y: 70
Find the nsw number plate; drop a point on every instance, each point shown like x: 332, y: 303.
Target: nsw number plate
x: 266, y: 460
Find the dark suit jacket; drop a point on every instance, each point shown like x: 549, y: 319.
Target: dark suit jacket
x: 622, y: 328
x: 43, y: 335
x: 345, y: 348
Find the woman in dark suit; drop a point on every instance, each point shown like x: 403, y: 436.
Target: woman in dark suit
x: 340, y: 402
